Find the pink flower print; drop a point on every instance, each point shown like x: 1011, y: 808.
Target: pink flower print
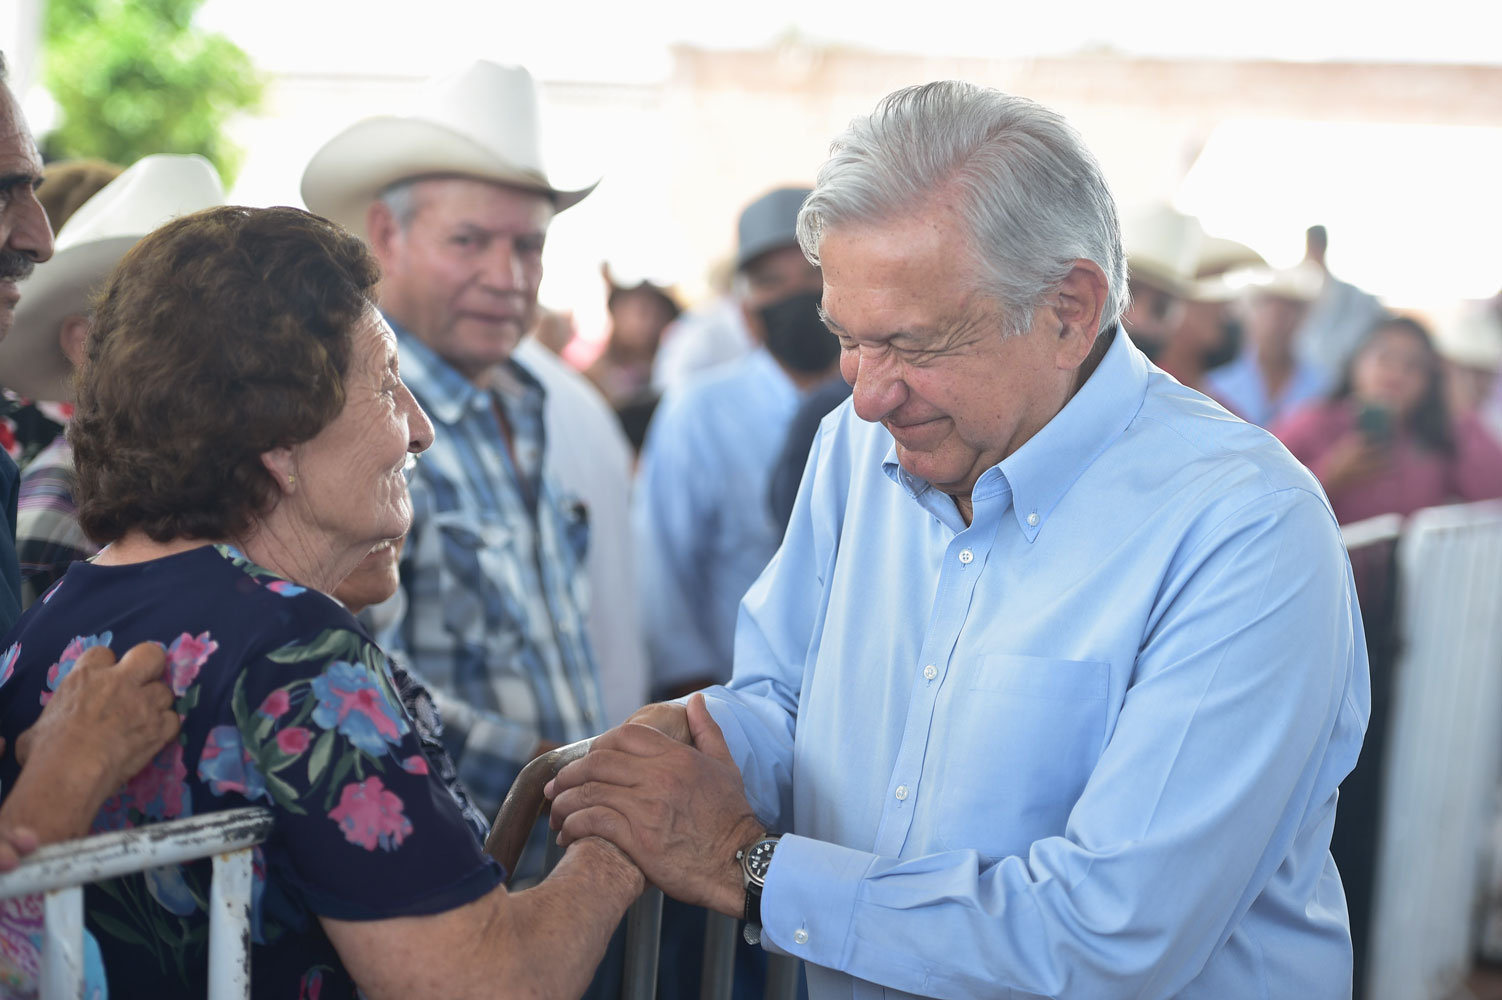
x: 312, y: 984
x: 286, y: 588
x: 275, y: 705
x: 71, y: 653
x: 294, y: 740
x: 371, y: 816
x: 185, y: 657
x: 415, y: 764
x: 160, y: 790
x: 8, y: 662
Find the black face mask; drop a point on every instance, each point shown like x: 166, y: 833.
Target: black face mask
x: 1229, y: 347
x: 1150, y: 346
x: 796, y: 336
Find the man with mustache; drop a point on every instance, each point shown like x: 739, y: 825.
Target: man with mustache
x: 455, y: 203
x: 25, y: 241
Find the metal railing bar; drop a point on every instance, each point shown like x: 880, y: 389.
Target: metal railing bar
x: 643, y: 938
x: 782, y: 977
x: 718, y: 977
x: 62, y: 944
x: 124, y: 852
x: 229, y: 926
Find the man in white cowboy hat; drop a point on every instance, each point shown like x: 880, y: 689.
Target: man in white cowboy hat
x: 38, y: 358
x: 455, y: 202
x: 1161, y: 245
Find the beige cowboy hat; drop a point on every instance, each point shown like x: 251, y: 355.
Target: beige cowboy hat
x: 1223, y: 269
x: 1162, y: 246
x: 482, y: 123
x: 154, y: 190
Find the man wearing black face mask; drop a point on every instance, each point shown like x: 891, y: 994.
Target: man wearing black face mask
x: 703, y: 530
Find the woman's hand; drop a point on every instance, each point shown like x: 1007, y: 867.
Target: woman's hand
x: 104, y: 724
x: 1351, y: 461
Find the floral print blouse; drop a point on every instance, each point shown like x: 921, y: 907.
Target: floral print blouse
x: 287, y: 704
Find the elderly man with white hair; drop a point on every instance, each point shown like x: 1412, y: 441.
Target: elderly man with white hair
x: 1049, y: 690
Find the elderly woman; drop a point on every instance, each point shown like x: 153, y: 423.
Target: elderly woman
x: 1384, y: 442
x: 240, y: 438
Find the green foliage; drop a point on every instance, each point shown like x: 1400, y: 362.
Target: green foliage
x: 134, y: 77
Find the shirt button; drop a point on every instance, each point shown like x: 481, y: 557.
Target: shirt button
x: 930, y: 671
x: 901, y: 793
x: 965, y: 556
x: 800, y: 936
x: 1032, y: 519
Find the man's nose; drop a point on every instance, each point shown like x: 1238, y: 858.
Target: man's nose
x: 877, y: 389
x: 504, y: 268
x: 24, y: 225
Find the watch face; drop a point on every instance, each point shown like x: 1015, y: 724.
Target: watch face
x: 759, y: 858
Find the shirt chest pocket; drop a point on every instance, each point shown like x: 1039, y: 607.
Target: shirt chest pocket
x: 479, y: 574
x: 1016, y: 740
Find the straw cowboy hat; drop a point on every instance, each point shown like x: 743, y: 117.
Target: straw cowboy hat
x: 1162, y: 246
x: 482, y: 123
x: 151, y: 192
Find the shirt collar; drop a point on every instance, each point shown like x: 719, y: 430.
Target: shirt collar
x: 1040, y: 472
x: 446, y: 394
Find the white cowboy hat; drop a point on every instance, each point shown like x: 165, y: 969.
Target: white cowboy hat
x: 154, y: 190
x: 1223, y: 269
x: 482, y: 123
x: 1162, y: 246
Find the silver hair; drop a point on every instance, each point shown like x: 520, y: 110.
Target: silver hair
x: 1019, y: 176
x: 400, y: 199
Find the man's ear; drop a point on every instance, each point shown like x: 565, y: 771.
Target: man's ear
x: 283, y: 469
x: 1080, y: 301
x: 382, y: 231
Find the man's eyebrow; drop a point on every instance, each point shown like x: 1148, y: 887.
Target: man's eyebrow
x: 894, y: 335
x: 10, y: 181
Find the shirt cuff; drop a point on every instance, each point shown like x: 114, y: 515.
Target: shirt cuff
x: 808, y: 905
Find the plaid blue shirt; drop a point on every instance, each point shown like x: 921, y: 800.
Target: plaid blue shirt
x: 494, y: 578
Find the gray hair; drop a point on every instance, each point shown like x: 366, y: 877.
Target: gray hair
x: 400, y: 200
x: 4, y: 70
x: 1031, y: 194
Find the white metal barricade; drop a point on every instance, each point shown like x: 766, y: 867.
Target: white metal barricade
x: 1444, y: 755
x: 60, y: 871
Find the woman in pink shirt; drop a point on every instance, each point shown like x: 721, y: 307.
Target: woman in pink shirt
x: 1384, y: 441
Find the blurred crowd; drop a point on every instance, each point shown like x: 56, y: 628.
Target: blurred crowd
x: 582, y: 538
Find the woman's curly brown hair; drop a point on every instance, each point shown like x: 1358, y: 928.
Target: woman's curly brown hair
x: 220, y: 336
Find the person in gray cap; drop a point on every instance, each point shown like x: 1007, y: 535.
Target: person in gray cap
x: 703, y: 533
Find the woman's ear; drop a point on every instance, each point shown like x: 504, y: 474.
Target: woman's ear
x: 283, y: 469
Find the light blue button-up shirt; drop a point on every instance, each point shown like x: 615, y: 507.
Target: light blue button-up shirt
x: 1088, y: 745
x: 703, y: 528
x: 1241, y: 387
